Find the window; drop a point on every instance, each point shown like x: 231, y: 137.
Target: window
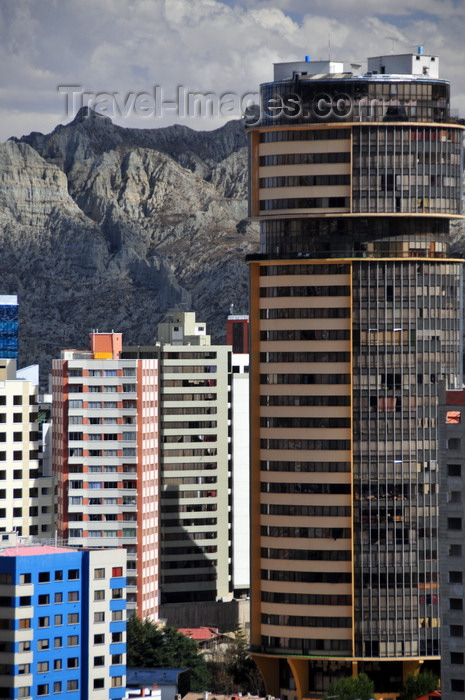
x: 58, y: 664
x: 25, y: 623
x: 72, y: 685
x: 24, y: 692
x: 99, y: 573
x: 457, y: 685
x: 23, y: 669
x: 455, y: 550
x: 57, y: 686
x: 454, y: 523
x: 117, y: 571
x: 42, y: 689
x: 117, y: 615
x: 24, y: 600
x: 59, y: 597
x: 117, y: 681
x: 73, y: 618
x: 99, y: 595
x: 455, y: 604
x: 100, y: 639
x: 117, y: 593
x: 456, y: 630
x: 24, y: 646
x: 454, y: 470
x: 44, y: 622
x: 73, y: 662
x: 43, y: 644
x: 116, y: 637
x: 456, y: 657
x: 99, y: 683
x: 58, y: 642
x: 42, y: 666
x: 73, y: 640
x: 99, y: 617
x: 73, y: 596
x: 73, y: 575
x: 58, y: 620
x: 116, y: 658
x: 455, y: 577
x: 75, y: 532
x: 99, y: 661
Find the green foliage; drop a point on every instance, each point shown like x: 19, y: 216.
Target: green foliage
x: 351, y: 688
x: 151, y: 647
x: 233, y: 670
x: 421, y: 684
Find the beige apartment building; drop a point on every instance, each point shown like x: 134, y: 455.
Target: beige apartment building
x: 195, y: 454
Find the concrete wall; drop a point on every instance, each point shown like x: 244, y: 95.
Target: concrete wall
x: 225, y: 616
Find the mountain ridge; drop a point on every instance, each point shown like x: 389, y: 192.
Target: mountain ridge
x: 107, y: 227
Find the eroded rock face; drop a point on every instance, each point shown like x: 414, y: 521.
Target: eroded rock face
x: 109, y: 228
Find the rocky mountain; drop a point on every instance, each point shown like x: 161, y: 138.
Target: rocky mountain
x: 103, y: 227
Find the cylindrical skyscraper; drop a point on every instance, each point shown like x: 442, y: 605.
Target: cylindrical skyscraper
x: 355, y: 320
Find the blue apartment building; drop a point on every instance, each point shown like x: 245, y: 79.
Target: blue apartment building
x: 9, y: 326
x: 62, y: 622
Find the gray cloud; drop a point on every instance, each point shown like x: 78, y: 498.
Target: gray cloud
x: 129, y: 46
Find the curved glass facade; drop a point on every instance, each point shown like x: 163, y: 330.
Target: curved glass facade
x: 372, y: 98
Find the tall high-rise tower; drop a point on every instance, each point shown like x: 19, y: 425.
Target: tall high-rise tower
x: 355, y: 318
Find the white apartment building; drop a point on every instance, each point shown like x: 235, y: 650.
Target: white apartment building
x: 26, y: 493
x: 240, y: 475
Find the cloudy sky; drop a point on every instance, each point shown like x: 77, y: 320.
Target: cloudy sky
x: 138, y: 60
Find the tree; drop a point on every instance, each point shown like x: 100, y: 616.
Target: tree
x: 417, y: 685
x: 233, y: 670
x: 351, y: 688
x: 152, y: 647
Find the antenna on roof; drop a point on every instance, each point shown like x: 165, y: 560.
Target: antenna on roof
x: 394, y: 40
x: 329, y: 46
